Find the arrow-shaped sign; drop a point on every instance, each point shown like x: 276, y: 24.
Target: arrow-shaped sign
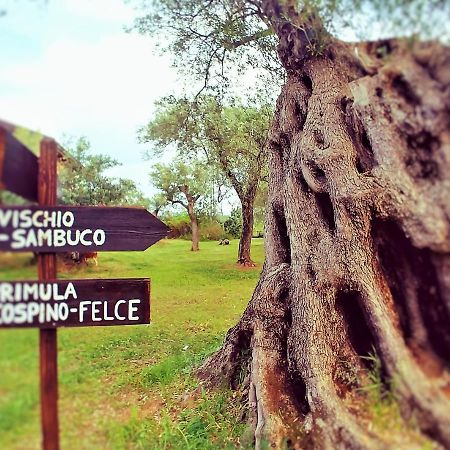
x: 78, y: 228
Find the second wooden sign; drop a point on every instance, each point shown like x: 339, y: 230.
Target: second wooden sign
x: 74, y: 303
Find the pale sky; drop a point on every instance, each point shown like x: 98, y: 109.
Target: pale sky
x: 69, y: 69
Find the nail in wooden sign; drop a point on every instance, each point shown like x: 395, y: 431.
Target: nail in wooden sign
x: 74, y: 303
x: 18, y: 167
x: 78, y: 228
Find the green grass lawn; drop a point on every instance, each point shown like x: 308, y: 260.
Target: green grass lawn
x: 131, y: 386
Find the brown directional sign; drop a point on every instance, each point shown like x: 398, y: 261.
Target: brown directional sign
x: 18, y: 167
x: 78, y: 228
x: 74, y: 303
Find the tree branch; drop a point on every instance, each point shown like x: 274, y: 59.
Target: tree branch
x: 179, y: 202
x: 247, y: 39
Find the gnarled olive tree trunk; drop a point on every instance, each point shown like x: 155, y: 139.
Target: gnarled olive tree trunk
x: 357, y: 244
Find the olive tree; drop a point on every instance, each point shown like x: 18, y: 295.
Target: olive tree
x: 85, y: 180
x: 183, y: 184
x: 357, y: 235
x: 232, y: 138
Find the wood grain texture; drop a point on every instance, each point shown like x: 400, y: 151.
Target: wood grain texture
x: 18, y: 167
x: 2, y: 155
x: 48, y: 344
x: 126, y: 229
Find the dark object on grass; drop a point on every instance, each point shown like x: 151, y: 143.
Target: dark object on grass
x: 85, y: 257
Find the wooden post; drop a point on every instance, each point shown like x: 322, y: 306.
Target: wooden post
x: 2, y: 156
x: 47, y: 187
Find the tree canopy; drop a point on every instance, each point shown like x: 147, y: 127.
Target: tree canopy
x: 184, y: 184
x: 216, y: 41
x: 86, y: 183
x: 178, y: 180
x: 211, y: 40
x: 230, y: 137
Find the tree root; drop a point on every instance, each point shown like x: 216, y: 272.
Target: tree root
x: 222, y: 367
x: 246, y: 263
x: 418, y: 393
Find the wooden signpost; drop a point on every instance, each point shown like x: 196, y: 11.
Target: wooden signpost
x: 48, y: 343
x: 49, y: 303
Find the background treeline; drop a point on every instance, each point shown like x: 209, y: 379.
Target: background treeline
x: 189, y: 190
x: 212, y: 228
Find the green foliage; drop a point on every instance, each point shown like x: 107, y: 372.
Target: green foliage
x: 84, y: 182
x: 233, y: 225
x: 8, y: 198
x: 214, y: 41
x: 181, y: 183
x: 180, y: 227
x: 31, y: 139
x: 157, y: 203
x: 377, y: 390
x: 211, y: 230
x: 179, y: 224
x: 231, y: 137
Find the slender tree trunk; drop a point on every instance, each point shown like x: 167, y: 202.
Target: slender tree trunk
x: 245, y: 242
x: 357, y: 244
x: 194, y: 228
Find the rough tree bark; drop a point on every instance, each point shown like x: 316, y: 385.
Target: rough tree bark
x: 357, y: 243
x: 194, y: 226
x: 246, y: 191
x: 245, y: 242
